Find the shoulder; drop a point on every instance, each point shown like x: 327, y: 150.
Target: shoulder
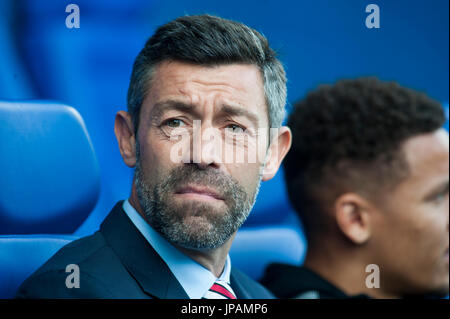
x: 89, y: 260
x: 283, y: 280
x: 254, y: 289
x: 77, y: 252
x: 298, y: 282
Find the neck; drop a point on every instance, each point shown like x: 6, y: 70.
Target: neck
x: 345, y: 268
x: 213, y: 260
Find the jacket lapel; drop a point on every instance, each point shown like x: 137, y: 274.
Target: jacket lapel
x: 238, y: 288
x: 138, y: 256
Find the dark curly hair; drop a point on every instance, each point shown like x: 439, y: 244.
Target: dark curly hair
x: 347, y: 138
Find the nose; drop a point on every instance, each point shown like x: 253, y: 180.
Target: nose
x: 206, y: 146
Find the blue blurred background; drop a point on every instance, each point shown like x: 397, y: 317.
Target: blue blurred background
x: 319, y: 41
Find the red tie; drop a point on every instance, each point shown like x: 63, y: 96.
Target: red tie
x: 220, y: 290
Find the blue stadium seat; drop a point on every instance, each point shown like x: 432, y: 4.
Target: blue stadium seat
x: 272, y: 205
x: 21, y: 255
x: 50, y: 176
x: 50, y: 183
x: 254, y: 248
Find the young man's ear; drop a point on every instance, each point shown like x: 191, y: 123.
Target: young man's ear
x: 278, y: 148
x: 353, y: 215
x: 124, y: 130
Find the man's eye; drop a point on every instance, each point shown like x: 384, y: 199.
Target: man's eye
x: 173, y: 123
x: 441, y: 197
x: 235, y: 128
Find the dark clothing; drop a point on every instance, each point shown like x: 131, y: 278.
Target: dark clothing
x: 118, y: 262
x: 293, y: 282
x: 286, y: 281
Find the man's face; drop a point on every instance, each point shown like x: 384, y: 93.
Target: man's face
x: 199, y: 204
x: 413, y: 235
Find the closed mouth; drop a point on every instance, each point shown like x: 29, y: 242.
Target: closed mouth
x: 201, y: 191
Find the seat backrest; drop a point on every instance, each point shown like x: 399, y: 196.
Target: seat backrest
x: 50, y: 177
x: 254, y: 248
x: 272, y: 205
x: 272, y: 233
x: 21, y: 255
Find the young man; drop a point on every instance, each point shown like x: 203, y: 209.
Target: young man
x: 171, y: 238
x: 368, y: 173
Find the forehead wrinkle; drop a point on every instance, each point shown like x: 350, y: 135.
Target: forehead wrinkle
x: 220, y: 73
x: 197, y: 90
x: 224, y: 86
x: 221, y: 104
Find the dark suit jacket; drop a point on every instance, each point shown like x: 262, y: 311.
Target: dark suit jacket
x: 118, y: 262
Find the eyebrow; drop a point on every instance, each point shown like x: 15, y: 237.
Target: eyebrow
x: 240, y: 112
x: 160, y: 107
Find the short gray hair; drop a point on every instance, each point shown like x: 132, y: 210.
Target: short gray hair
x: 209, y: 40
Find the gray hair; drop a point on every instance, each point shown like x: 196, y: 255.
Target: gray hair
x: 209, y: 40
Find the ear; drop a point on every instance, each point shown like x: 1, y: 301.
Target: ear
x: 124, y: 130
x: 278, y: 148
x: 353, y: 216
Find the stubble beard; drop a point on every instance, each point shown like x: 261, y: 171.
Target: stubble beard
x: 194, y: 225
